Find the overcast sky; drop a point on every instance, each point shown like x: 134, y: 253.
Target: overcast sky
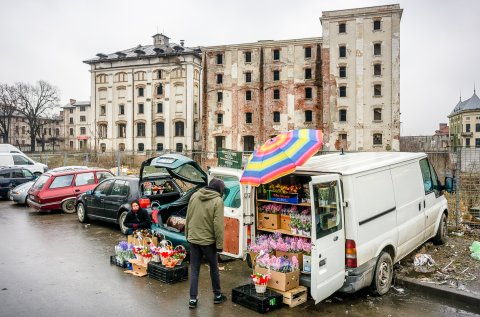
x: 49, y: 39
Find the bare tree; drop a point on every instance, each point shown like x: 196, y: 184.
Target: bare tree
x: 36, y: 102
x: 8, y: 105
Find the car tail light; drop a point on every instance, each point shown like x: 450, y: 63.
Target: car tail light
x: 249, y: 235
x: 144, y: 202
x: 350, y: 254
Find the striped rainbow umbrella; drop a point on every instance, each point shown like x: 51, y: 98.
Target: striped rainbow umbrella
x: 281, y: 155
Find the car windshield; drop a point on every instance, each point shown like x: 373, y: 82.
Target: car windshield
x: 41, y: 182
x: 152, y: 171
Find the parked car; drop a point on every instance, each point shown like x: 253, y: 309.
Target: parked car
x: 11, y: 177
x: 110, y: 201
x: 59, y: 190
x: 8, y: 148
x: 21, y: 160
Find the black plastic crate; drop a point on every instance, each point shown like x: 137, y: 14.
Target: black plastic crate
x: 164, y: 274
x: 123, y: 264
x: 246, y: 296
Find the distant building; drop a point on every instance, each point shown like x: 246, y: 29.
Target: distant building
x: 439, y: 142
x: 465, y: 123
x: 78, y: 125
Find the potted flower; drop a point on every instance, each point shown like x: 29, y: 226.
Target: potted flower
x: 269, y: 216
x: 260, y: 280
x: 285, y: 273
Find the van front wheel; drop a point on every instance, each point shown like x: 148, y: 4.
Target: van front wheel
x: 382, y: 278
x: 442, y: 232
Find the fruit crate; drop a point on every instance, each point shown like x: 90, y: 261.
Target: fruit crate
x: 123, y: 264
x: 164, y: 274
x: 246, y: 296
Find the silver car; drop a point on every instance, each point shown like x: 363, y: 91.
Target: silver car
x: 19, y: 194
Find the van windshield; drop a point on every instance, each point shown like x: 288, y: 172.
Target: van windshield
x: 40, y: 182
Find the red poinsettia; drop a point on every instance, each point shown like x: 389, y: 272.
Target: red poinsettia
x: 261, y: 279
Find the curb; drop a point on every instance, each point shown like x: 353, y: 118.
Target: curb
x: 471, y: 301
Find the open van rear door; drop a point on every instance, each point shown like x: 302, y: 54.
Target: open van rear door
x: 328, y: 236
x: 234, y: 229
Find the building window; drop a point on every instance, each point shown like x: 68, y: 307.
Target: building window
x: 140, y: 91
x: 219, y: 118
x: 477, y: 127
x: 141, y: 147
x: 159, y: 107
x: 159, y: 147
x: 82, y: 108
x: 248, y: 77
x: 276, y: 94
x: 467, y: 142
x: 377, y: 49
x: 83, y: 130
x: 276, y: 55
x: 248, y: 57
x: 342, y: 71
x: 160, y: 128
x: 377, y: 25
x: 103, y: 147
x: 308, y: 73
x: 248, y: 95
x: 219, y: 78
x: 377, y: 114
x: 160, y: 89
x: 342, y: 91
x: 276, y: 116
x: 71, y: 121
x: 140, y: 108
x: 219, y: 96
x: 248, y: 143
x: 308, y: 52
x: 342, y: 115
x: 121, y: 109
x: 342, y: 51
x: 248, y: 117
x: 342, y: 136
x: 159, y: 74
x: 219, y: 59
x: 219, y: 142
x: 377, y: 90
x: 179, y: 147
x: 467, y: 127
x: 83, y: 119
x: 103, y: 131
x: 71, y: 111
x: 71, y: 144
x: 308, y: 116
x: 276, y: 75
x: 57, y: 132
x: 377, y: 69
x: 342, y: 27
x: 308, y: 93
x: 377, y: 139
x: 179, y: 127
x: 140, y: 129
x: 477, y: 142
x: 71, y: 131
x: 103, y: 110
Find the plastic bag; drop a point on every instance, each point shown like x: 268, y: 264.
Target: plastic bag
x: 422, y: 259
x: 475, y: 249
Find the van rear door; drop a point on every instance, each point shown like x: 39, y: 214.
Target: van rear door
x: 328, y: 236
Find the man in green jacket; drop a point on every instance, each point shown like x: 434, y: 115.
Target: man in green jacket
x: 204, y: 232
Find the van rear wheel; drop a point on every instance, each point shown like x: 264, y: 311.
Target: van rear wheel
x: 383, y: 275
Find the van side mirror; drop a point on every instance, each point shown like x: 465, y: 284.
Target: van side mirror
x: 450, y: 184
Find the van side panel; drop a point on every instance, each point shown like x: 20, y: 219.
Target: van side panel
x: 375, y: 210
x: 409, y: 194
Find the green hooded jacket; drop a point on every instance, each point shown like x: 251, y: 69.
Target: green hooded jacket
x: 204, y: 224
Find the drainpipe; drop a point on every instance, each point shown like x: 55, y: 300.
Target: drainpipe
x: 133, y: 111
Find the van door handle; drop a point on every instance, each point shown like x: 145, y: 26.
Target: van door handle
x: 336, y: 238
x: 424, y: 204
x: 322, y: 263
x: 419, y: 206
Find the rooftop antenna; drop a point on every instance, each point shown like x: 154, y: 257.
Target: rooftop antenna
x: 460, y: 94
x: 474, y: 91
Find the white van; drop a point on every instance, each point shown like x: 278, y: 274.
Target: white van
x: 379, y: 207
x: 18, y: 159
x: 8, y: 148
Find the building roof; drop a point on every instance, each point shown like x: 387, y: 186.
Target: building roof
x: 77, y: 104
x: 146, y: 51
x: 471, y: 104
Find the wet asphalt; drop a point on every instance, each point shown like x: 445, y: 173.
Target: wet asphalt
x: 52, y: 265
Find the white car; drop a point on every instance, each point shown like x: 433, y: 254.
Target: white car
x: 19, y: 159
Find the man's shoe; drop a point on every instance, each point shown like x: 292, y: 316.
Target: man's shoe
x: 192, y: 303
x: 218, y: 299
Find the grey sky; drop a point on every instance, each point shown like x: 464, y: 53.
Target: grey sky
x: 49, y: 39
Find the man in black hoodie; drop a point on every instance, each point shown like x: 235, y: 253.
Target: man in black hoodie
x: 137, y: 218
x: 204, y: 232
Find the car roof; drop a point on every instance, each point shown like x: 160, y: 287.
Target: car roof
x: 75, y: 171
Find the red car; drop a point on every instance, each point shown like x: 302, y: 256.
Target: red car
x: 59, y: 190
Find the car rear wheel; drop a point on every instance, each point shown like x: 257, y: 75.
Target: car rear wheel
x: 81, y: 213
x: 68, y: 206
x: 121, y: 219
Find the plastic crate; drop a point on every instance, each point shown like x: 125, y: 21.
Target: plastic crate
x: 123, y: 264
x: 261, y: 303
x: 164, y: 274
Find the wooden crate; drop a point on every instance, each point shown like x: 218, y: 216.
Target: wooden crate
x: 294, y: 297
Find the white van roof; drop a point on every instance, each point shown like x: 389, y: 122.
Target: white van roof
x: 353, y: 163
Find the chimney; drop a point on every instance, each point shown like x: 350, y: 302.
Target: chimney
x: 443, y: 126
x: 160, y: 39
x: 182, y: 42
x: 72, y: 101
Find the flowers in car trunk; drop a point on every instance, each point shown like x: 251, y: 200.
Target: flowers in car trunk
x: 279, y: 264
x: 271, y: 208
x: 261, y: 244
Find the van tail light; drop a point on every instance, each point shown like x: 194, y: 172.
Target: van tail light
x: 350, y: 254
x: 249, y: 235
x: 144, y: 202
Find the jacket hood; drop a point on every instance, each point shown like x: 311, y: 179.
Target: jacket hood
x: 207, y: 194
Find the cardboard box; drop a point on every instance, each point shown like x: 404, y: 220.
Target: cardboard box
x: 142, y: 242
x: 139, y: 268
x: 283, y: 198
x: 268, y: 221
x: 285, y: 222
x: 290, y: 255
x: 281, y: 281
